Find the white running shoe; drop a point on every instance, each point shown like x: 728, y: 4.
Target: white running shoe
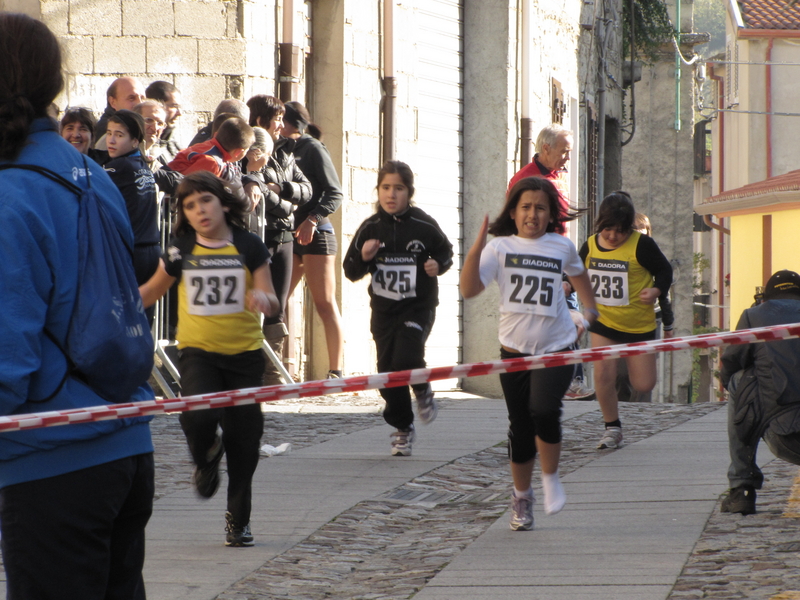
x: 612, y: 438
x: 401, y: 441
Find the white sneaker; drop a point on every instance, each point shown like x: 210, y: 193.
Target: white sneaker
x: 612, y: 438
x: 578, y: 390
x: 401, y: 441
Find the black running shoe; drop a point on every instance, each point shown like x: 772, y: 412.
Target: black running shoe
x: 237, y: 537
x: 206, y: 478
x: 741, y: 499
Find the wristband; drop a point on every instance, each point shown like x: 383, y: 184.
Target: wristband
x: 592, y: 311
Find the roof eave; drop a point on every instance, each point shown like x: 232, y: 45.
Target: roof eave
x: 768, y: 33
x: 759, y: 203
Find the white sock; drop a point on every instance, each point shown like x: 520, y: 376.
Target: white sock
x: 520, y: 494
x: 554, y: 495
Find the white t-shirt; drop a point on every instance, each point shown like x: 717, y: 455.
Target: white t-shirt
x: 534, y: 317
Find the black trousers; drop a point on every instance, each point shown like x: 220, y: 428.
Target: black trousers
x: 280, y: 269
x: 242, y: 426
x: 400, y: 342
x: 80, y: 534
x: 533, y: 399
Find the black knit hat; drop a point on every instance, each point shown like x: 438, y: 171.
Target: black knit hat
x: 296, y: 115
x: 133, y: 121
x: 783, y: 284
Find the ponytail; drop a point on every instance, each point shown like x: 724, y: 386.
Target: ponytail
x: 30, y: 78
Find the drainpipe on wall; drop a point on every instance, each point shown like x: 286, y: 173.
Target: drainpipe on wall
x: 526, y: 123
x: 389, y: 82
x: 678, y: 67
x: 768, y: 86
x: 601, y: 114
x: 721, y: 188
x: 289, y: 57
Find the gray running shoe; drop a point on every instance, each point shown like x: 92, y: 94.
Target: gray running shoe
x: 522, y: 512
x: 578, y: 390
x: 237, y: 536
x: 401, y: 441
x: 426, y: 405
x: 612, y: 438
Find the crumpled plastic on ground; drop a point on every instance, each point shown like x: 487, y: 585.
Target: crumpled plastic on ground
x: 268, y: 450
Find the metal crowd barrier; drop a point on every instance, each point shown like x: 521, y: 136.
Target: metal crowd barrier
x: 163, y: 325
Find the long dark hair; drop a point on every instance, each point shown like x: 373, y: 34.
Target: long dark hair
x: 397, y: 167
x: 205, y: 181
x: 30, y: 78
x: 504, y: 224
x: 617, y: 212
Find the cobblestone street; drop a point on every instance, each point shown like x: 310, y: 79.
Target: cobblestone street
x: 389, y: 547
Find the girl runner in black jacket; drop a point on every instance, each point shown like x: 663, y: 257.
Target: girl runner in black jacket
x: 404, y: 250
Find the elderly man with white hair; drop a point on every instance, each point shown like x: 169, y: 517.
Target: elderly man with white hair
x: 553, y: 148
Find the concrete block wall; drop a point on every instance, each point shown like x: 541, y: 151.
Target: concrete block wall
x: 210, y: 49
x: 213, y: 49
x: 658, y: 172
x: 346, y: 104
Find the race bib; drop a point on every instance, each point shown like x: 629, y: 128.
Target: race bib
x: 214, y: 284
x: 609, y: 279
x: 531, y: 284
x: 395, y: 277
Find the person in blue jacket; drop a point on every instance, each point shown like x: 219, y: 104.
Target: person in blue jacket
x: 75, y: 499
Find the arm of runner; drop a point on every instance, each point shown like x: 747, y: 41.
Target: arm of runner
x: 583, y: 286
x: 431, y: 267
x: 155, y: 287
x: 262, y: 297
x: 470, y: 281
x: 370, y: 249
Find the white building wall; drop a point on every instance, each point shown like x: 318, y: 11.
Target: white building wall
x: 213, y: 49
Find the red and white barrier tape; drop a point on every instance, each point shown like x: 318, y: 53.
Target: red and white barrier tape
x: 395, y: 379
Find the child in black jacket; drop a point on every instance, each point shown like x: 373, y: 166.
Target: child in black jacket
x: 405, y: 250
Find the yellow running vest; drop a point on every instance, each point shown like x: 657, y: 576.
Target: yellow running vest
x: 617, y: 278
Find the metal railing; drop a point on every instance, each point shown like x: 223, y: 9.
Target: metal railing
x: 163, y: 327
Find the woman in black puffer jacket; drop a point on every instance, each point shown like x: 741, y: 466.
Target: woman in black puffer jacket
x: 283, y: 188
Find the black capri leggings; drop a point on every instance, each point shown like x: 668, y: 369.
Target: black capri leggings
x: 533, y: 399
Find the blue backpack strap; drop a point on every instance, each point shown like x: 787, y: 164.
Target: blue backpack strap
x: 56, y: 178
x: 51, y: 175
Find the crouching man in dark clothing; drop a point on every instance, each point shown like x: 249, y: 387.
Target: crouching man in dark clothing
x: 764, y: 384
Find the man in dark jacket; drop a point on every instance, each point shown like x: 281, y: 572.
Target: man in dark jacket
x: 764, y: 383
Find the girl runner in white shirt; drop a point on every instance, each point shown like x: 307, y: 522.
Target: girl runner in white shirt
x: 527, y: 259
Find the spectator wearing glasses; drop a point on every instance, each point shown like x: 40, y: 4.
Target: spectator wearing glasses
x: 170, y: 97
x: 154, y: 154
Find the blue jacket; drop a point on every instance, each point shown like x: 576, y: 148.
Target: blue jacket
x: 38, y: 279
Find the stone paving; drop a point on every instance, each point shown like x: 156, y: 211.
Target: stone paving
x: 389, y: 547
x: 757, y: 556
